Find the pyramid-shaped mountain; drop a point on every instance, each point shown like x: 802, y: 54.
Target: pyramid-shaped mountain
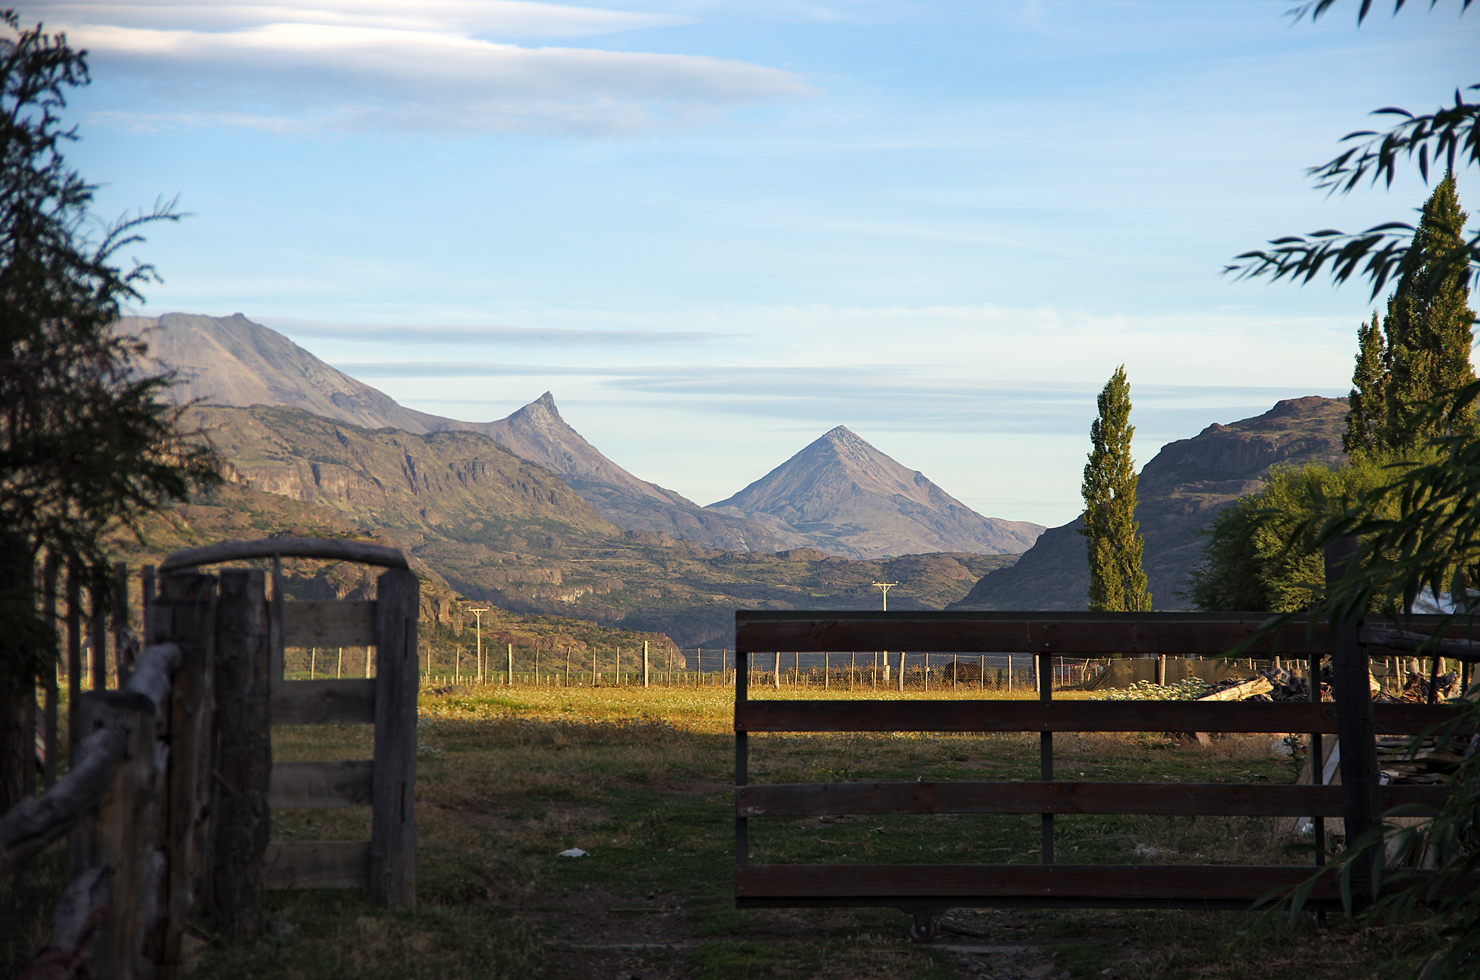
x: 235, y: 362
x: 847, y: 498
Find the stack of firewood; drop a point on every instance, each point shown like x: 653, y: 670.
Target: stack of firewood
x: 1435, y: 759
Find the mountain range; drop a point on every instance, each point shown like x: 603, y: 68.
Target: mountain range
x: 846, y: 497
x: 525, y: 513
x: 479, y: 523
x: 1180, y: 491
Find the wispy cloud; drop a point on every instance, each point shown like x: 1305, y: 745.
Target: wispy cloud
x: 485, y: 18
x: 559, y: 337
x: 439, y: 66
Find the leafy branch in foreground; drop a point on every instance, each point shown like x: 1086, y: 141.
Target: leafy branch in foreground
x: 1315, y: 8
x: 1378, y: 254
x: 1447, y: 134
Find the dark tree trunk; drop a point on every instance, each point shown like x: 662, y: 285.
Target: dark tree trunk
x: 17, y: 671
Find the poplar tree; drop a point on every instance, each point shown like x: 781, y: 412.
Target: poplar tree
x: 1429, y: 329
x: 1116, y: 581
x: 1367, y: 415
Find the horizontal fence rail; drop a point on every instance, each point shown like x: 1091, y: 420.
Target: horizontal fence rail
x: 1071, y: 716
x: 937, y: 886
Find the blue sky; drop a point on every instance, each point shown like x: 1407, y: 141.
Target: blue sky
x: 717, y: 229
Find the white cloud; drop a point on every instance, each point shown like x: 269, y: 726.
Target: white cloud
x: 440, y: 66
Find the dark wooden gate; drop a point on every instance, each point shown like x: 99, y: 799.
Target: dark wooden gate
x: 1050, y: 884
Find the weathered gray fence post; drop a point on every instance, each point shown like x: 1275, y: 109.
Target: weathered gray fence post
x: 118, y: 838
x: 1355, y: 731
x: 393, y: 784
x: 234, y: 874
x: 184, y: 612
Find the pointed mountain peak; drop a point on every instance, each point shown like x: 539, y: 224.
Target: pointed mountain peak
x: 542, y: 409
x: 847, y: 497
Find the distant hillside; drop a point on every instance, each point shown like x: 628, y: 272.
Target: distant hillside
x: 501, y: 530
x: 1180, y: 492
x: 235, y: 362
x: 847, y: 498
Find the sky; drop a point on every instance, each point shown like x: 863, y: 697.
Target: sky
x: 715, y: 229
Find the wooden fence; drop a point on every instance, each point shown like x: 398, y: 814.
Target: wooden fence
x: 928, y: 888
x: 169, y: 795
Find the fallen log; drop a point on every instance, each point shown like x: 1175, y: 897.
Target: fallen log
x: 1240, y: 691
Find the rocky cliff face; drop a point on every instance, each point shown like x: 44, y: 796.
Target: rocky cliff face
x: 843, y: 496
x: 234, y: 362
x: 1180, y: 491
x: 392, y: 478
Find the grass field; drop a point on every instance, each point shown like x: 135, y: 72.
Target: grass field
x: 641, y: 780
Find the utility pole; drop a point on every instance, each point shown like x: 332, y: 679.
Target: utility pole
x: 478, y: 615
x: 884, y: 588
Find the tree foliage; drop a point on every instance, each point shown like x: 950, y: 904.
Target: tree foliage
x: 1418, y: 529
x: 1116, y: 581
x: 1367, y: 413
x: 1429, y: 332
x: 87, y: 443
x: 1263, y: 553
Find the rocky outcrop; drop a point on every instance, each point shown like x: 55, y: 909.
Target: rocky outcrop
x: 844, y: 497
x: 1180, y: 492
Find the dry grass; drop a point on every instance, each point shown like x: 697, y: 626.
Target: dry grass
x: 641, y: 779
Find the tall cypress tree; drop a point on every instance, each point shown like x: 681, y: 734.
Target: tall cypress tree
x: 1368, y: 412
x: 1116, y: 581
x: 1429, y: 327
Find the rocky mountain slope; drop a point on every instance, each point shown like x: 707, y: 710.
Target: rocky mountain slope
x: 235, y: 362
x: 537, y: 433
x: 1180, y: 491
x: 499, y: 530
x: 847, y: 498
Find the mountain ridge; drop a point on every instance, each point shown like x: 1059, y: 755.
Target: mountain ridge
x: 237, y: 362
x: 876, y: 509
x: 1179, y: 493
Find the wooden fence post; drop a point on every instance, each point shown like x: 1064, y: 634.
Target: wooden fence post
x: 184, y: 612
x: 119, y: 837
x: 49, y: 611
x: 74, y: 660
x: 123, y: 652
x: 1355, y: 731
x: 235, y: 873
x: 393, y: 782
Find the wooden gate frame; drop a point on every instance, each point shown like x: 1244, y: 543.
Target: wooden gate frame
x: 253, y: 695
x: 928, y: 888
